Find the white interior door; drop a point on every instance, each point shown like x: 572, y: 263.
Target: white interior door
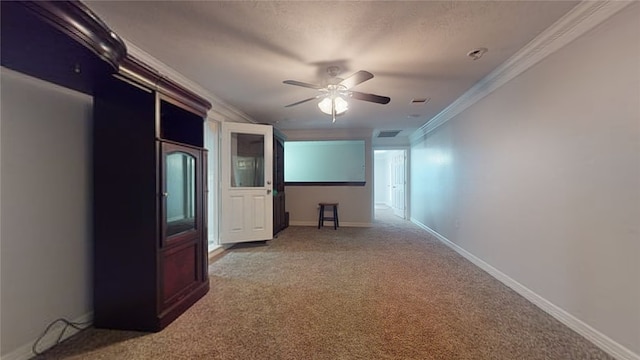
x: 246, y: 183
x: 398, y: 182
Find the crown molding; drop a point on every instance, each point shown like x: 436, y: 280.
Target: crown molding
x: 78, y: 22
x: 221, y: 111
x: 141, y: 73
x: 582, y: 18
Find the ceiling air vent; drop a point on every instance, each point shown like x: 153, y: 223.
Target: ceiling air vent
x: 420, y: 100
x: 388, y: 133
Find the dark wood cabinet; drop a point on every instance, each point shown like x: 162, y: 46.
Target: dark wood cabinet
x: 149, y: 165
x: 182, y: 264
x: 62, y: 42
x: 149, y: 207
x: 280, y: 219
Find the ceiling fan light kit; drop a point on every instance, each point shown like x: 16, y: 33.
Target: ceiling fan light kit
x: 333, y: 96
x: 327, y: 104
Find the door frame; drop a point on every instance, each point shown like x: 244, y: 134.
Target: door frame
x: 212, y: 144
x: 407, y: 176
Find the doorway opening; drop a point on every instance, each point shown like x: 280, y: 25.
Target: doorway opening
x: 211, y: 133
x: 390, y: 183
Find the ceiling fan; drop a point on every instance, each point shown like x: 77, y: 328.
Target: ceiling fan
x: 335, y: 93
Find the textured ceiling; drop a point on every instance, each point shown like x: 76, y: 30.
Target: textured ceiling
x: 241, y: 51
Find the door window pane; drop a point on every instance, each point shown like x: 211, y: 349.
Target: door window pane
x: 247, y: 160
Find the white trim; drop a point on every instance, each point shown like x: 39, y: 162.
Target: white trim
x: 329, y: 224
x: 407, y: 177
x: 391, y: 147
x: 49, y: 340
x: 582, y: 18
x: 597, y: 338
x: 218, y: 250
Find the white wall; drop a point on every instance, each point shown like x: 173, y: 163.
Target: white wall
x: 356, y: 202
x: 541, y: 179
x: 46, y: 208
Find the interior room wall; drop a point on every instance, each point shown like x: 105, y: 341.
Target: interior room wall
x: 356, y: 202
x: 541, y: 179
x: 46, y: 212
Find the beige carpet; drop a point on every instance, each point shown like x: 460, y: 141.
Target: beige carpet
x: 387, y: 292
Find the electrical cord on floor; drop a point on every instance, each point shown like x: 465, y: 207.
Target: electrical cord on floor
x: 67, y: 324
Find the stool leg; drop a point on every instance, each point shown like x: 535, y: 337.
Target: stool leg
x: 335, y: 217
x: 320, y: 214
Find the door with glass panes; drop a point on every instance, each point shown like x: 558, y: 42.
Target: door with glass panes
x: 246, y: 183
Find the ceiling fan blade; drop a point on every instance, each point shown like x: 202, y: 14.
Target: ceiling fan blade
x: 303, y: 84
x: 305, y: 100
x: 370, y: 97
x: 357, y: 78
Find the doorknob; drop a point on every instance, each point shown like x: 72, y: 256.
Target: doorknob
x: 268, y: 191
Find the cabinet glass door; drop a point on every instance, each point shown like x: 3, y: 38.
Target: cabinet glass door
x: 181, y: 186
x: 181, y: 183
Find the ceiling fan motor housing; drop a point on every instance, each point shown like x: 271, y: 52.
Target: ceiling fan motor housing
x: 333, y: 71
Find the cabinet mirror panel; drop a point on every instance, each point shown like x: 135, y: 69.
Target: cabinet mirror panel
x: 180, y: 192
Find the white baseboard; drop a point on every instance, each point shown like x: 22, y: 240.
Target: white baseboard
x: 217, y: 251
x: 329, y: 224
x: 50, y: 339
x: 597, y: 338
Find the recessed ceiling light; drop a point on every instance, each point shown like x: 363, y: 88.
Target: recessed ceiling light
x: 414, y: 116
x: 476, y: 54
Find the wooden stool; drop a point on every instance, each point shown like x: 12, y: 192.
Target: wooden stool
x: 322, y: 217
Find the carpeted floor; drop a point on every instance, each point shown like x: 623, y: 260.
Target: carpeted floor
x: 386, y: 292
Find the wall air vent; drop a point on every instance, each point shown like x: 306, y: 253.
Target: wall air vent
x: 388, y: 133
